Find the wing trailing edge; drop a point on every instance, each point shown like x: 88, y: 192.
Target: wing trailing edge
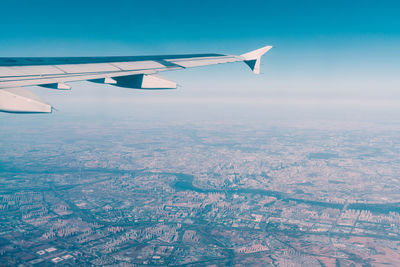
x: 20, y: 100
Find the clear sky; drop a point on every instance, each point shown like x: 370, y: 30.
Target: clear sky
x: 323, y: 49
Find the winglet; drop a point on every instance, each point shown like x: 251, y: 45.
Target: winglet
x: 253, y: 58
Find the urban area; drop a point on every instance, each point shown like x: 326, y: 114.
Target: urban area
x: 200, y: 195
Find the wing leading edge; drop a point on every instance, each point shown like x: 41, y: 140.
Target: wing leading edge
x: 130, y: 72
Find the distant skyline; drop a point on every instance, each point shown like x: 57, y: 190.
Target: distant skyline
x: 322, y: 49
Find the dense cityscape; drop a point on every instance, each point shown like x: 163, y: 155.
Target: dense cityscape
x: 135, y: 194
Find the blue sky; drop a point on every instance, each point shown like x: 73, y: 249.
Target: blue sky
x: 323, y: 49
x: 72, y: 25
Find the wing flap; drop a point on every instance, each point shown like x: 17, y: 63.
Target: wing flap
x: 87, y: 68
x: 139, y: 81
x: 197, y: 62
x: 20, y: 100
x: 139, y: 65
x: 38, y: 70
x: 40, y: 80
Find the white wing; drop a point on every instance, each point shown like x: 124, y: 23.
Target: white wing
x: 131, y: 72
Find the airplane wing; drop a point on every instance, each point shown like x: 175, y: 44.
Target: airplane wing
x: 136, y: 72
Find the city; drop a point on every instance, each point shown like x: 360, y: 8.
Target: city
x: 215, y: 195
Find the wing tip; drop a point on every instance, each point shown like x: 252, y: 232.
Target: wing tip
x: 253, y: 58
x: 256, y: 54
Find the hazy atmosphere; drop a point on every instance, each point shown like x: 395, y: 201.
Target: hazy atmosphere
x: 297, y: 166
